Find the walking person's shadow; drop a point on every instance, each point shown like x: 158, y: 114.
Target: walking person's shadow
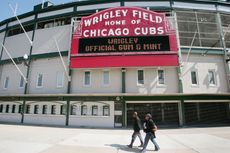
x: 124, y: 148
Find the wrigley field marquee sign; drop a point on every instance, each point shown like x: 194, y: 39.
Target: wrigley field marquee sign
x: 123, y: 33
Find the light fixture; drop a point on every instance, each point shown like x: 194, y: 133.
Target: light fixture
x: 25, y: 57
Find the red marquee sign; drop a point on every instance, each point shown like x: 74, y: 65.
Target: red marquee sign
x: 123, y: 37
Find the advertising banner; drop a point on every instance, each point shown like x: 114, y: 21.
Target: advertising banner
x: 123, y: 34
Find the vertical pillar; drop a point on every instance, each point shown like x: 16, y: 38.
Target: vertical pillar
x: 28, y: 65
x: 163, y: 112
x: 123, y: 86
x: 23, y: 111
x: 180, y: 82
x: 198, y: 111
x: 67, y: 112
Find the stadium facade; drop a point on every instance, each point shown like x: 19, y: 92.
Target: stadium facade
x: 92, y: 63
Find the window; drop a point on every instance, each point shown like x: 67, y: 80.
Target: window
x: 36, y: 109
x: 13, y: 108
x: 211, y: 77
x: 106, y: 79
x: 54, y: 23
x: 44, y: 109
x: 60, y: 79
x: 27, y: 109
x: 6, y: 83
x: 94, y: 110
x: 84, y: 110
x: 62, y: 110
x: 53, y: 109
x: 7, y: 108
x: 140, y: 77
x: 105, y: 110
x: 87, y: 78
x: 21, y: 83
x: 161, y: 77
x: 1, y: 108
x: 73, y: 110
x: 19, y: 30
x: 194, y: 77
x: 39, y: 80
x: 20, y: 109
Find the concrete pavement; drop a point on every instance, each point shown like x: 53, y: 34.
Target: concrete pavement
x: 37, y: 139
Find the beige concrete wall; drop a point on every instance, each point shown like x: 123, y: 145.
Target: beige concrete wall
x: 93, y: 121
x: 49, y: 67
x: 9, y: 70
x: 202, y: 64
x: 96, y: 81
x: 151, y: 85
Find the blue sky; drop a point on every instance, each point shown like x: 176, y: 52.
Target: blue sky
x: 23, y: 6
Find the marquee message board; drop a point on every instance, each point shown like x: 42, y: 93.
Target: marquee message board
x: 116, y: 37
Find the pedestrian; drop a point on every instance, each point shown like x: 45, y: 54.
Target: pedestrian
x: 149, y: 128
x: 136, y: 132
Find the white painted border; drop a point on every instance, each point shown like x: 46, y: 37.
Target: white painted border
x: 22, y: 20
x: 194, y: 6
x: 148, y: 4
x: 62, y: 11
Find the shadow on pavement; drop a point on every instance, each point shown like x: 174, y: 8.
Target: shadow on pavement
x: 124, y: 148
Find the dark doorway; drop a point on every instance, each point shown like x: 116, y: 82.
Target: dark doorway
x: 163, y: 113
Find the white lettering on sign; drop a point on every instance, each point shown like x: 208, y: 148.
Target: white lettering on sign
x: 123, y: 21
x: 105, y: 16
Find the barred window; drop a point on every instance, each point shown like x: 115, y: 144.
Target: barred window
x: 73, y: 110
x: 94, y: 110
x: 7, y: 108
x: 211, y: 77
x: 194, y: 77
x: 44, y: 109
x: 20, y: 109
x: 83, y: 110
x: 53, y: 109
x: 161, y: 77
x: 36, y: 109
x: 106, y: 111
x: 13, y: 108
x: 140, y: 77
x: 27, y: 109
x: 62, y: 110
x: 1, y: 108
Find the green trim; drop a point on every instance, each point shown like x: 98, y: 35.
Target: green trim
x: 19, y: 60
x: 113, y: 97
x: 203, y: 50
x: 122, y: 3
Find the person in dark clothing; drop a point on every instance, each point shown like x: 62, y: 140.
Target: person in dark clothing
x: 149, y: 128
x: 136, y: 128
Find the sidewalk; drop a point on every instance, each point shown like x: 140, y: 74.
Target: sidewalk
x: 36, y: 139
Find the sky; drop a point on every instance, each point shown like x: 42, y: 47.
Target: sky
x: 23, y: 6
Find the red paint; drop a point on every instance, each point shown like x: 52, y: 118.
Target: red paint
x: 124, y: 61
